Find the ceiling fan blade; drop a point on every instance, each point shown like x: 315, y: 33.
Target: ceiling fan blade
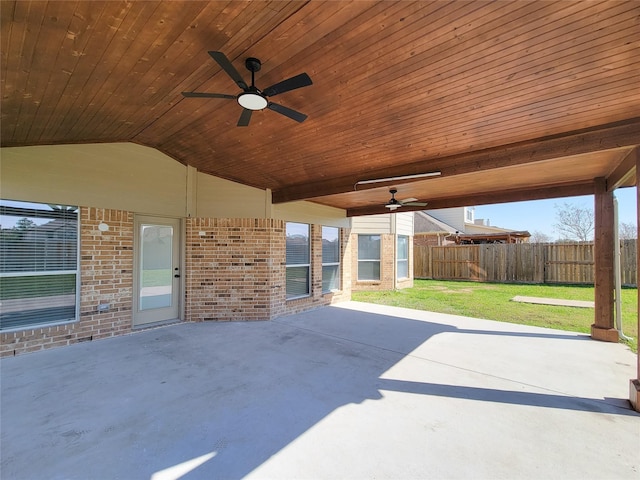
x: 245, y: 116
x: 226, y: 65
x: 407, y: 200
x: 287, y: 112
x: 207, y: 95
x: 299, y: 81
x: 414, y: 204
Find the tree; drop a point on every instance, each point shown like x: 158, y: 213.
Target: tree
x: 24, y: 224
x: 627, y: 231
x: 540, y: 237
x: 574, y: 222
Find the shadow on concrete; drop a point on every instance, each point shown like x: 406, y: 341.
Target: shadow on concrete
x: 546, y: 400
x: 215, y: 400
x: 552, y: 336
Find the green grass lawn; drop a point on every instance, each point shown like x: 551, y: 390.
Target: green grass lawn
x: 493, y: 302
x: 37, y: 286
x: 156, y: 278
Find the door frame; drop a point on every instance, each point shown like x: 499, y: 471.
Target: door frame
x: 180, y: 226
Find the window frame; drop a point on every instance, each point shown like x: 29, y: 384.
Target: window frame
x: 404, y: 260
x: 469, y: 215
x: 331, y: 264
x: 370, y: 260
x: 290, y: 267
x: 6, y: 207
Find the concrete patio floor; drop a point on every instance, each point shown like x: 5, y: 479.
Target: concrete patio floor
x: 354, y: 391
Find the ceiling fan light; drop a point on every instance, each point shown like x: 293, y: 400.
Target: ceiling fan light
x: 393, y: 204
x: 252, y: 101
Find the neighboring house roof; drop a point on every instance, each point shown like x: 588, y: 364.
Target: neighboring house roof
x: 478, y: 228
x: 425, y: 223
x: 477, y: 232
x: 54, y: 229
x: 502, y: 237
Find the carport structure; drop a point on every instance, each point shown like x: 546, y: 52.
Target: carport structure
x: 506, y: 101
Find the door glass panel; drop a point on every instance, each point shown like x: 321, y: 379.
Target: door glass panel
x: 156, y: 274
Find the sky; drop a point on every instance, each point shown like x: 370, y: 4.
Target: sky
x: 7, y: 221
x: 540, y: 215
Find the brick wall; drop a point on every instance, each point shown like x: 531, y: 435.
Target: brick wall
x: 317, y: 298
x: 106, y: 272
x: 425, y: 240
x: 388, y: 262
x: 387, y: 265
x: 236, y: 270
x: 233, y: 268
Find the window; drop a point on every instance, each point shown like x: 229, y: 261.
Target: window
x: 298, y: 260
x: 38, y: 264
x: 330, y: 259
x: 469, y: 214
x: 403, y: 256
x: 368, y: 257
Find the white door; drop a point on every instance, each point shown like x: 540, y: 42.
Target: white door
x: 156, y: 270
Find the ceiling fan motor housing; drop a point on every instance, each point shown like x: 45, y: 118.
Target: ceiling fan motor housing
x: 393, y: 203
x: 253, y: 64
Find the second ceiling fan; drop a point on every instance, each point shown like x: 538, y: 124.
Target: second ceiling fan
x: 394, y: 203
x: 251, y: 98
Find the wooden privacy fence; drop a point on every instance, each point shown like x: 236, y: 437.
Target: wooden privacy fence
x: 570, y: 263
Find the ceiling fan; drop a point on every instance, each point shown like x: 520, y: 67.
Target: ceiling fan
x: 251, y: 98
x: 394, y: 203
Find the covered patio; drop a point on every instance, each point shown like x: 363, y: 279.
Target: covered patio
x: 126, y: 111
x: 348, y: 391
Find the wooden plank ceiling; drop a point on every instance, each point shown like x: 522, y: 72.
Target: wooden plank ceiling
x: 508, y: 100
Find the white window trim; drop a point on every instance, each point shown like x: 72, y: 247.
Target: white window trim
x: 378, y: 260
x: 77, y: 273
x: 398, y: 260
x: 333, y: 264
x: 306, y: 295
x: 308, y: 265
x: 469, y: 215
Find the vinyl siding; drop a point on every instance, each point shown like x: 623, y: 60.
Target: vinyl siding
x: 404, y: 223
x: 371, y: 224
x: 450, y: 216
